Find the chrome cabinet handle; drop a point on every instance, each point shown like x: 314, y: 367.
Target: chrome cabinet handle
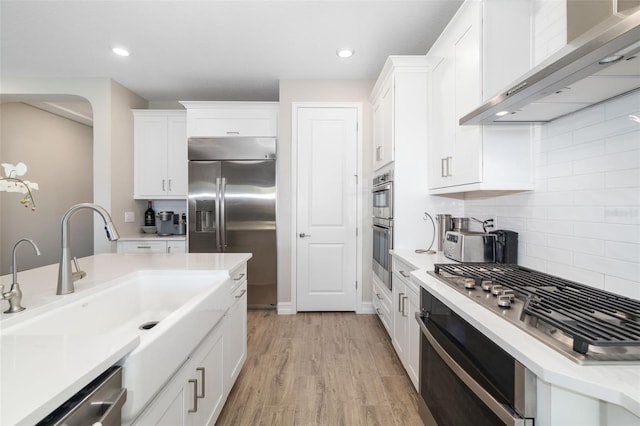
x: 163, y: 185
x: 143, y: 247
x: 169, y: 184
x: 378, y: 295
x: 233, y: 133
x: 404, y: 306
x: 217, y: 215
x: 239, y: 277
x: 223, y: 217
x: 241, y: 294
x: 449, y: 165
x: 404, y: 274
x: 303, y: 235
x: 400, y: 295
x: 202, y: 371
x: 442, y: 167
x: 195, y: 395
x: 378, y: 311
x: 379, y: 153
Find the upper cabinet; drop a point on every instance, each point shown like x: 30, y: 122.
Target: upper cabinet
x: 215, y: 119
x: 160, y: 154
x: 398, y: 98
x: 467, y: 66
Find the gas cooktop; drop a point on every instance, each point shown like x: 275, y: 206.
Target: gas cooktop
x: 586, y: 324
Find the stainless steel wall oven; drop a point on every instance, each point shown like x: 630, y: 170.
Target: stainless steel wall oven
x: 382, y: 194
x: 465, y: 378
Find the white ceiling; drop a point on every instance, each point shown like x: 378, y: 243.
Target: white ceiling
x: 210, y: 49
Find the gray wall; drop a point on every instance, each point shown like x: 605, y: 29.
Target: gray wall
x: 59, y: 155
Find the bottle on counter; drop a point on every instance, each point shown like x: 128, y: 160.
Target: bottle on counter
x: 149, y: 215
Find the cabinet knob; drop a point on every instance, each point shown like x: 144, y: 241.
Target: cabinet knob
x: 303, y: 235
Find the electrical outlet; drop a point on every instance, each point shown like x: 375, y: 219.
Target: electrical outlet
x: 129, y: 216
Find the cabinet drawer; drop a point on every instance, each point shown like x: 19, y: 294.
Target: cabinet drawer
x: 238, y: 277
x: 382, y: 304
x: 142, y: 246
x: 401, y: 268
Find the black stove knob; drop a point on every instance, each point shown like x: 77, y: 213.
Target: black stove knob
x: 487, y: 285
x: 469, y: 283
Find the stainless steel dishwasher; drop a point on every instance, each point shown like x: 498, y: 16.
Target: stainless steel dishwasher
x: 98, y: 403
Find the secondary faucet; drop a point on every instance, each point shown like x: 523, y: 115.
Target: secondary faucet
x: 66, y: 276
x: 14, y: 295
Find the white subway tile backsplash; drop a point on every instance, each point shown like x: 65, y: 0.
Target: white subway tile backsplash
x: 628, y: 215
x: 623, y: 287
x: 623, y: 179
x: 582, y: 221
x: 623, y: 251
x: 577, y: 245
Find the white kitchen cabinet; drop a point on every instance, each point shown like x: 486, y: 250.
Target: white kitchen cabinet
x: 146, y: 245
x: 470, y: 158
x: 235, y: 349
x: 195, y: 394
x: 383, y: 126
x: 216, y: 119
x: 382, y: 304
x: 160, y: 154
x: 398, y: 98
x: 406, y: 332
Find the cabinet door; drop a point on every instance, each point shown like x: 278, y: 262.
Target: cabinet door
x: 176, y: 185
x: 150, y: 156
x: 235, y: 350
x: 176, y: 246
x: 206, y: 394
x: 442, y: 120
x: 466, y: 166
x: 413, y: 338
x: 399, y: 324
x: 383, y: 139
x: 260, y: 121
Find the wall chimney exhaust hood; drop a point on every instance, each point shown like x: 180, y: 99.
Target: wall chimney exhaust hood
x: 577, y: 76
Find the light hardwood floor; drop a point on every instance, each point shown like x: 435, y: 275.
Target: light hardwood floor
x: 320, y: 369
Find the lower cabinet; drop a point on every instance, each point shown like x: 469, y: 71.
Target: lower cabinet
x: 195, y: 395
x: 235, y: 329
x: 382, y: 304
x: 406, y: 332
x: 198, y: 390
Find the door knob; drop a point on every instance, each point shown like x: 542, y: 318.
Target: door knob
x: 303, y: 235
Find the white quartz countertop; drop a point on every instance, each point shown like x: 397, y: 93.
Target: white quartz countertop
x: 616, y: 384
x: 39, y: 372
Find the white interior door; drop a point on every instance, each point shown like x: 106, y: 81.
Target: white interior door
x: 326, y: 208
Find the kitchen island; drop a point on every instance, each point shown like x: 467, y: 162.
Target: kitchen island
x: 39, y: 371
x: 567, y: 393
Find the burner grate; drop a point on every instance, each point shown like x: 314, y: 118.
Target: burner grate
x: 589, y: 315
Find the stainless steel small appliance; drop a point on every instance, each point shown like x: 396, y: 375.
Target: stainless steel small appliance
x: 444, y: 225
x: 166, y: 223
x: 469, y: 246
x: 382, y: 192
x: 506, y: 246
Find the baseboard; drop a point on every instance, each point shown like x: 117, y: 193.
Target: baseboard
x: 285, y: 308
x: 366, y: 308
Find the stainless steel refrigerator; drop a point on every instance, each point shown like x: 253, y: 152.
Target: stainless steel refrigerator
x: 232, y: 206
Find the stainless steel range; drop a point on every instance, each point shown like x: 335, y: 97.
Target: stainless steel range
x: 586, y: 324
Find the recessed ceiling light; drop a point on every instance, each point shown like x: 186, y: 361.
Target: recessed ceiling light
x: 345, y: 53
x: 502, y: 113
x: 120, y: 51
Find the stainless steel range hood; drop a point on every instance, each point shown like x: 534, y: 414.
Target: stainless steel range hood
x: 573, y: 78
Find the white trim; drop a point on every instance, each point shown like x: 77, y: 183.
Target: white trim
x: 366, y: 308
x: 294, y: 199
x: 285, y: 308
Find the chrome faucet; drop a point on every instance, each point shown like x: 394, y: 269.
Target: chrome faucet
x: 14, y: 295
x: 66, y: 276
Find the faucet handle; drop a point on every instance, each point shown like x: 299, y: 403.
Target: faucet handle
x: 75, y: 263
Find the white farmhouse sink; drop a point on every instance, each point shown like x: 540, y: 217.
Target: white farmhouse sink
x: 185, y: 305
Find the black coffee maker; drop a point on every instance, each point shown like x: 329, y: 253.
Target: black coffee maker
x: 506, y: 246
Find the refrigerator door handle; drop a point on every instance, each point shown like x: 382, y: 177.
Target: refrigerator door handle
x: 218, y: 223
x: 223, y: 221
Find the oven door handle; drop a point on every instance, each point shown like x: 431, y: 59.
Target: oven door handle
x: 506, y: 415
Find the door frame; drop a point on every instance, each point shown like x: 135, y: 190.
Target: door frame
x: 294, y: 195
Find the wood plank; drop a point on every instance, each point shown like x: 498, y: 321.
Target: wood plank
x: 329, y: 368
